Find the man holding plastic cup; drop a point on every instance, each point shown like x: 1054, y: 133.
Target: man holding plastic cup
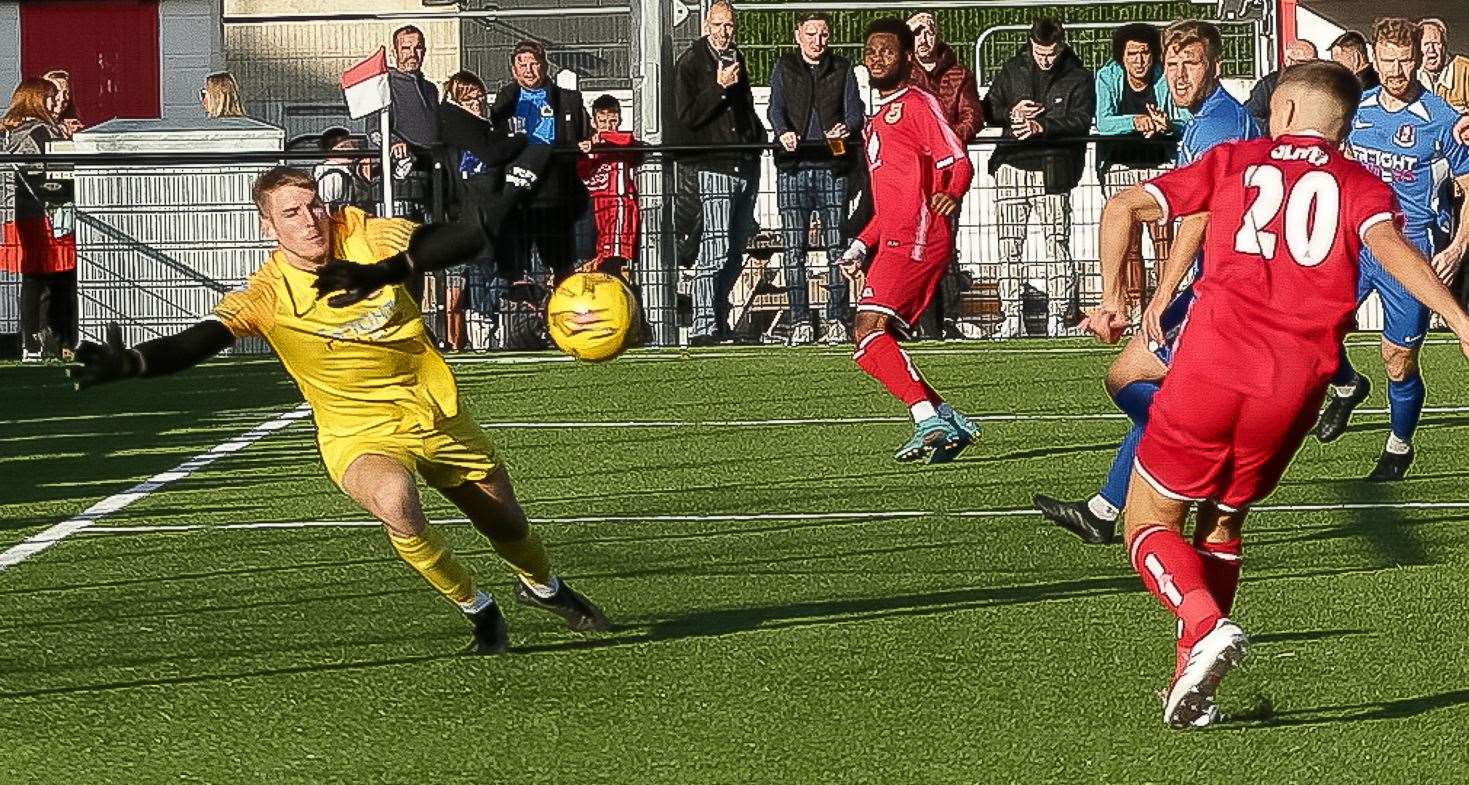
x: 816, y: 114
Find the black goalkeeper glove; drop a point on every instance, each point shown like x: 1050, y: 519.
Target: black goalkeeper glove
x: 100, y: 363
x: 357, y: 282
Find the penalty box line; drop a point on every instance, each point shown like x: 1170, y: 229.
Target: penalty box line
x: 874, y: 515
x: 39, y: 542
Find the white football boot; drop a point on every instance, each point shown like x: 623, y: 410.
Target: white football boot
x: 1190, y: 701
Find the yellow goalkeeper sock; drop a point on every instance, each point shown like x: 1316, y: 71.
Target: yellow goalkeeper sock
x: 528, y: 557
x: 429, y: 554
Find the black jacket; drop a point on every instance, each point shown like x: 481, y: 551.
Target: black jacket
x: 463, y: 132
x: 821, y: 89
x: 559, y: 184
x: 1068, y: 92
x: 707, y: 114
x: 1259, y: 102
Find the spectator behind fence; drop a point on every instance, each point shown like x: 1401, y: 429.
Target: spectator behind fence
x: 1135, y: 104
x: 815, y: 112
x: 66, y: 115
x: 1296, y: 52
x: 1350, y: 49
x: 1040, y: 95
x: 43, y: 252
x: 940, y: 72
x: 1449, y: 78
x: 549, y: 115
x: 609, y: 173
x: 220, y: 96
x: 414, y: 111
x: 1435, y: 53
x: 476, y: 153
x: 713, y: 107
x: 937, y: 69
x: 344, y: 181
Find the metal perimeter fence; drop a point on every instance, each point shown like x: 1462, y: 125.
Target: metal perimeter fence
x: 160, y: 237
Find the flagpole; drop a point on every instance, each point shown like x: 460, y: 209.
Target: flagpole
x: 386, y: 132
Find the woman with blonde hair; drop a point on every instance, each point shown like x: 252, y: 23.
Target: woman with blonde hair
x: 477, y: 151
x: 221, y: 96
x: 46, y: 263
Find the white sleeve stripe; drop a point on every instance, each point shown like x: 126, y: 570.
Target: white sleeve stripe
x: 1372, y: 221
x: 944, y: 163
x: 1157, y: 194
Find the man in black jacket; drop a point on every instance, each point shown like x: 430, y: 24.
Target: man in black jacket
x: 1041, y: 96
x: 815, y: 111
x: 1296, y: 52
x: 547, y: 115
x: 713, y: 107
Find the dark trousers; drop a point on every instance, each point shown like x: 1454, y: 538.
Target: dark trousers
x: 48, y: 301
x: 550, y: 229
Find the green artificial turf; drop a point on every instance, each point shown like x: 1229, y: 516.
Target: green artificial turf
x: 792, y: 606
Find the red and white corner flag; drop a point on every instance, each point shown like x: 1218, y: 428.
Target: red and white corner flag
x: 366, y: 85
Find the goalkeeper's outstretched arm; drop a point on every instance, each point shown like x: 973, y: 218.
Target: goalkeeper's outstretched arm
x: 109, y: 361
x: 436, y: 246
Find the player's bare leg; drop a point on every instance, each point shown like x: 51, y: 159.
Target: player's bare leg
x: 1131, y: 380
x: 492, y: 509
x: 1174, y: 572
x: 389, y: 492
x: 1405, y: 395
x: 939, y: 432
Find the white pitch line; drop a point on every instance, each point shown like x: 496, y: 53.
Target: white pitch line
x: 974, y: 348
x: 635, y: 424
x: 875, y: 515
x: 39, y: 542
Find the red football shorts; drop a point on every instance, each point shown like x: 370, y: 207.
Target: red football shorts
x: 1206, y: 440
x: 901, y: 286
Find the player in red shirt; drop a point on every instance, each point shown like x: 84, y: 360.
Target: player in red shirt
x: 919, y: 171
x: 610, y: 175
x: 1288, y: 218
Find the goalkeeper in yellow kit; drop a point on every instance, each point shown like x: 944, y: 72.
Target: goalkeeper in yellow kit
x: 383, y: 399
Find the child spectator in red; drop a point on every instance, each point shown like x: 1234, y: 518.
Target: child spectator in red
x: 610, y: 174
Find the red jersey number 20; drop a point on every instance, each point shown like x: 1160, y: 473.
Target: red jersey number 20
x: 1312, y: 213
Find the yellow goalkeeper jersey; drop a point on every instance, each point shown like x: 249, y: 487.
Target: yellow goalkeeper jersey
x: 366, y: 367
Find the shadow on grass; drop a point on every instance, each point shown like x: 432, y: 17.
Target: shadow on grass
x: 1265, y: 716
x: 713, y: 623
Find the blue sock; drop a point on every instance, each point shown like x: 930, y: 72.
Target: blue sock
x: 1345, y: 374
x: 1115, y: 491
x: 1405, y: 402
x: 1134, y: 399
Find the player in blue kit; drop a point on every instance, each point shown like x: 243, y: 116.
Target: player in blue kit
x: 1191, y: 52
x: 1405, y: 135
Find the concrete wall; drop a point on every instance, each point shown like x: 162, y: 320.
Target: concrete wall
x: 9, y: 47
x: 191, y: 43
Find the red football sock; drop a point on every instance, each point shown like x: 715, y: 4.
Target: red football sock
x: 1173, y: 572
x: 928, y: 390
x: 1221, y: 570
x: 881, y: 357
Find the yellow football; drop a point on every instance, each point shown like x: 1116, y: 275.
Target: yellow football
x: 592, y: 316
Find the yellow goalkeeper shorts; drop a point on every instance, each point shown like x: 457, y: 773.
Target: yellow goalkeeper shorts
x: 453, y: 452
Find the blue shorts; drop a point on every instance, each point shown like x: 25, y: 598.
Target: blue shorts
x: 1404, y: 319
x: 1172, y: 323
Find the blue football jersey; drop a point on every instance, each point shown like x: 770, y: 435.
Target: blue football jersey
x: 1413, y: 150
x: 1220, y: 119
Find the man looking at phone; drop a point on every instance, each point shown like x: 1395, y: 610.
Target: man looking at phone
x: 1044, y: 97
